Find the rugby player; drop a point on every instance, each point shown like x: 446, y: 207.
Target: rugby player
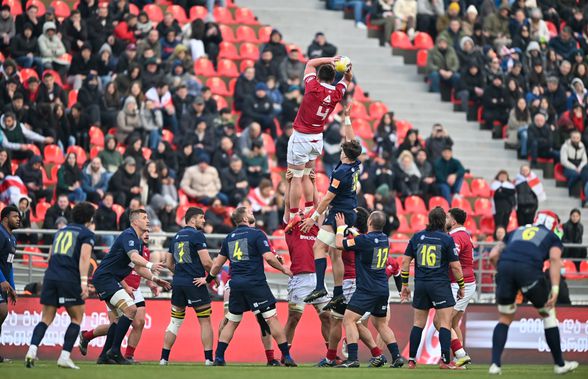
x: 188, y: 259
x: 65, y: 283
x: 519, y: 264
x: 9, y: 220
x: 434, y: 253
x: 247, y: 248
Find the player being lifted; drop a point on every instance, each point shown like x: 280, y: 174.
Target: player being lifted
x: 247, y: 248
x: 9, y: 220
x: 434, y: 253
x: 306, y: 143
x: 125, y: 255
x: 189, y: 258
x: 371, y: 295
x: 520, y: 267
x: 341, y: 197
x: 65, y: 283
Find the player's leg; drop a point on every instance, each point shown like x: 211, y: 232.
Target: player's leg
x: 294, y: 316
x: 506, y: 291
x: 266, y: 340
x: 113, y: 317
x: 270, y: 315
x: 387, y: 335
x: 48, y: 314
x: 350, y: 319
x: 320, y: 249
x: 178, y: 314
x: 335, y: 334
x: 420, y: 320
x: 203, y: 314
x: 308, y: 187
x: 76, y: 314
x: 457, y: 348
x: 338, y: 271
x: 135, y: 334
x: 444, y: 318
x: 127, y: 311
x: 297, y: 171
x: 237, y: 305
x: 88, y: 335
x: 3, y: 315
x: 325, y: 319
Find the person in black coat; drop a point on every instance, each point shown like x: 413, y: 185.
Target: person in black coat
x: 223, y: 154
x: 540, y: 139
x: 266, y: 66
x: 527, y: 201
x: 244, y: 87
x: 437, y: 141
x: 573, y: 232
x: 82, y: 64
x: 125, y: 183
x: 186, y: 158
x: 106, y: 218
x: 291, y: 104
x: 100, y: 26
x: 32, y: 177
x: 30, y: 17
x: 504, y: 198
x: 471, y: 88
x: 61, y: 208
x: 23, y: 47
x: 166, y: 154
x: 496, y: 106
x: 259, y: 108
x: 276, y: 46
x: 556, y: 94
x: 234, y: 181
x: 5, y: 164
x: 50, y: 92
x: 320, y: 48
x: 75, y: 31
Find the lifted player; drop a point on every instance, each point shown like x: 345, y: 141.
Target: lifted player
x: 9, y: 220
x: 434, y: 253
x: 188, y: 259
x: 306, y: 143
x: 65, y: 283
x: 520, y: 267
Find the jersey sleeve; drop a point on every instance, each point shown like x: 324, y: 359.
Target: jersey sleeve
x: 88, y: 238
x: 130, y: 245
x: 310, y: 82
x: 409, y: 251
x: 224, y: 250
x: 200, y: 242
x: 262, y: 244
x: 336, y: 181
x: 555, y: 242
x: 451, y: 250
x: 340, y: 90
x: 352, y: 244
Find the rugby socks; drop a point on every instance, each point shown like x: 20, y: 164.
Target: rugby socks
x: 165, y: 354
x: 415, y: 341
x: 320, y: 265
x: 337, y: 291
x: 552, y: 339
x: 376, y: 352
x: 207, y: 355
x: 64, y: 355
x: 332, y: 354
x: 130, y: 351
x: 457, y: 348
x: 269, y: 355
x: 394, y: 351
x: 71, y: 335
x: 109, y: 339
x: 498, y: 341
x: 221, y: 347
x: 88, y: 334
x: 445, y: 341
x: 123, y: 325
x: 39, y: 333
x: 284, y: 348
x: 308, y: 206
x: 352, y: 351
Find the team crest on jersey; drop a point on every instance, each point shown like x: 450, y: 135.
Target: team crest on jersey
x: 456, y: 251
x: 204, y: 244
x: 351, y: 242
x: 327, y: 99
x: 266, y: 243
x: 335, y: 183
x: 376, y: 240
x: 422, y: 237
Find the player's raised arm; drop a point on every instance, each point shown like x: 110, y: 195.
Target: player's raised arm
x: 313, y: 64
x: 348, y: 131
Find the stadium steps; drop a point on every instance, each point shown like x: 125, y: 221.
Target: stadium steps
x: 402, y: 89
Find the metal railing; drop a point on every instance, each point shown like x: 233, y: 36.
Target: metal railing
x: 30, y: 263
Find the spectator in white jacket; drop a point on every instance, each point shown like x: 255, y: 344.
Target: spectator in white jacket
x: 201, y: 182
x: 52, y: 49
x: 573, y: 159
x: 538, y: 27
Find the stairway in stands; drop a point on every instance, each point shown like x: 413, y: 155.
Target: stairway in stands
x: 387, y: 79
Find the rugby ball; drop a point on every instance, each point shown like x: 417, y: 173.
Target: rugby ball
x: 342, y: 65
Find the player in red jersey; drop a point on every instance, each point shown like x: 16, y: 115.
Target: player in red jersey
x: 306, y: 142
x: 131, y: 284
x: 465, y: 248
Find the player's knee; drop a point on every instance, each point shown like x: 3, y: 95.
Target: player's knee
x: 204, y: 312
x: 324, y: 316
x: 307, y: 171
x: 177, y: 318
x: 549, y: 318
x: 295, y: 310
x: 267, y: 314
x: 297, y: 173
x: 130, y: 312
x: 234, y: 317
x: 509, y: 309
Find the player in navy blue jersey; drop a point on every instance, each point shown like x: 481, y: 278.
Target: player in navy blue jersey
x: 125, y: 255
x: 372, y: 292
x: 66, y: 282
x: 519, y: 266
x: 247, y: 248
x: 188, y: 258
x: 9, y: 220
x: 340, y: 198
x: 434, y: 254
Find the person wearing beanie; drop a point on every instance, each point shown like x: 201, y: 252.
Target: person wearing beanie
x: 320, y: 48
x: 23, y: 47
x: 125, y: 183
x: 442, y: 66
x: 452, y: 13
x: 259, y: 108
x: 470, y: 19
x: 52, y: 49
x: 7, y: 28
x: 276, y: 46
x: 496, y: 26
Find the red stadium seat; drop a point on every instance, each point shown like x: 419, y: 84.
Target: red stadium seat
x: 480, y: 188
x: 363, y: 129
x: 198, y: 11
x: 377, y: 110
x: 558, y: 173
x: 403, y: 227
x: 232, y: 84
x: 359, y: 95
x: 263, y: 34
x: 422, y: 57
x: 167, y: 136
x: 418, y: 222
x: 228, y: 50
x: 460, y: 202
x: 227, y: 33
x: 95, y: 150
x: 248, y: 50
x: 178, y: 12
x: 34, y: 260
x: 53, y: 154
x: 40, y: 211
x: 218, y: 86
x: 465, y: 190
x: 61, y: 9
x: 552, y: 29
x: 96, y: 136
x: 223, y: 16
x: 584, y: 268
x: 227, y: 68
x: 398, y: 247
x: 13, y: 167
x: 269, y: 144
x: 204, y: 67
x: 154, y: 12
x: 482, y: 207
x: 358, y: 111
x: 487, y: 225
x: 322, y: 182
x: 246, y: 34
x: 40, y: 5
x: 221, y: 102
x: 79, y: 152
x: 15, y: 6
x: 133, y: 9
x: 402, y: 127
x: 415, y: 204
x: 119, y: 210
x: 245, y: 16
x: 399, y: 206
x: 471, y: 226
x: 423, y: 41
x: 72, y: 98
x: 246, y: 63
x: 438, y: 201
x: 146, y: 153
x: 400, y: 40
x: 50, y: 180
x: 26, y: 73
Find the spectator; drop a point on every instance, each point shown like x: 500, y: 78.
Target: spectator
x: 110, y: 157
x: 411, y: 142
x: 152, y: 123
x: 168, y: 43
x: 167, y: 215
x: 32, y: 18
x: 276, y: 46
x: 427, y: 174
x: 5, y: 164
x: 452, y: 13
x: 320, y: 48
x: 75, y: 31
x: 386, y: 136
x: 496, y: 26
x: 573, y: 232
x: 223, y: 154
x: 471, y: 88
x: 437, y: 141
x: 579, y: 94
x: 81, y: 65
x: 218, y: 216
x: 359, y: 8
x: 61, y: 208
x: 24, y: 48
x: 263, y: 206
x: 106, y: 218
x: 14, y: 137
x: 32, y: 177
x: 123, y: 221
x: 529, y: 193
x: 51, y: 49
x: 453, y: 34
x: 256, y: 164
x: 291, y: 105
x: 50, y: 92
x: 573, y: 158
x: 332, y: 146
x: 166, y: 154
x: 244, y: 87
x: 125, y: 183
x: 266, y: 66
x: 282, y: 146
x: 193, y: 33
x: 168, y: 186
x: 153, y: 43
x: 449, y: 174
x: 291, y: 67
x: 470, y: 20
x: 427, y: 13
x: 168, y: 23
x: 496, y: 105
x: 192, y: 117
x: 249, y: 135
x: 259, y: 109
x: 538, y: 27
x: 186, y: 158
x: 570, y: 121
x: 564, y: 44
x: 128, y: 120
x: 89, y: 99
x: 126, y: 30
x: 109, y: 105
x: 540, y: 143
x: 275, y: 96
x: 468, y: 54
x: 212, y: 40
x: 234, y: 181
x: 69, y: 179
x: 503, y: 199
x: 442, y: 66
x: 150, y: 183
x: 201, y: 182
x: 95, y: 181
x: 407, y: 176
x: 519, y: 120
x: 118, y: 9
x: 204, y: 139
x: 385, y: 201
x: 404, y: 14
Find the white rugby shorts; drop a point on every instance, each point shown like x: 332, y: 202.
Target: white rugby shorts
x: 300, y: 286
x: 469, y: 293
x: 303, y: 148
x: 138, y: 295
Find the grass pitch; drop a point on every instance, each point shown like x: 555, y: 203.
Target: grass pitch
x: 148, y: 370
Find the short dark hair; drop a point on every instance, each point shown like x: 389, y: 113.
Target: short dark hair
x: 326, y: 73
x: 459, y: 215
x: 83, y: 212
x: 352, y: 149
x: 7, y: 211
x: 437, y: 219
x: 239, y: 215
x: 361, y: 220
x: 135, y: 213
x: 378, y: 220
x: 191, y: 213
